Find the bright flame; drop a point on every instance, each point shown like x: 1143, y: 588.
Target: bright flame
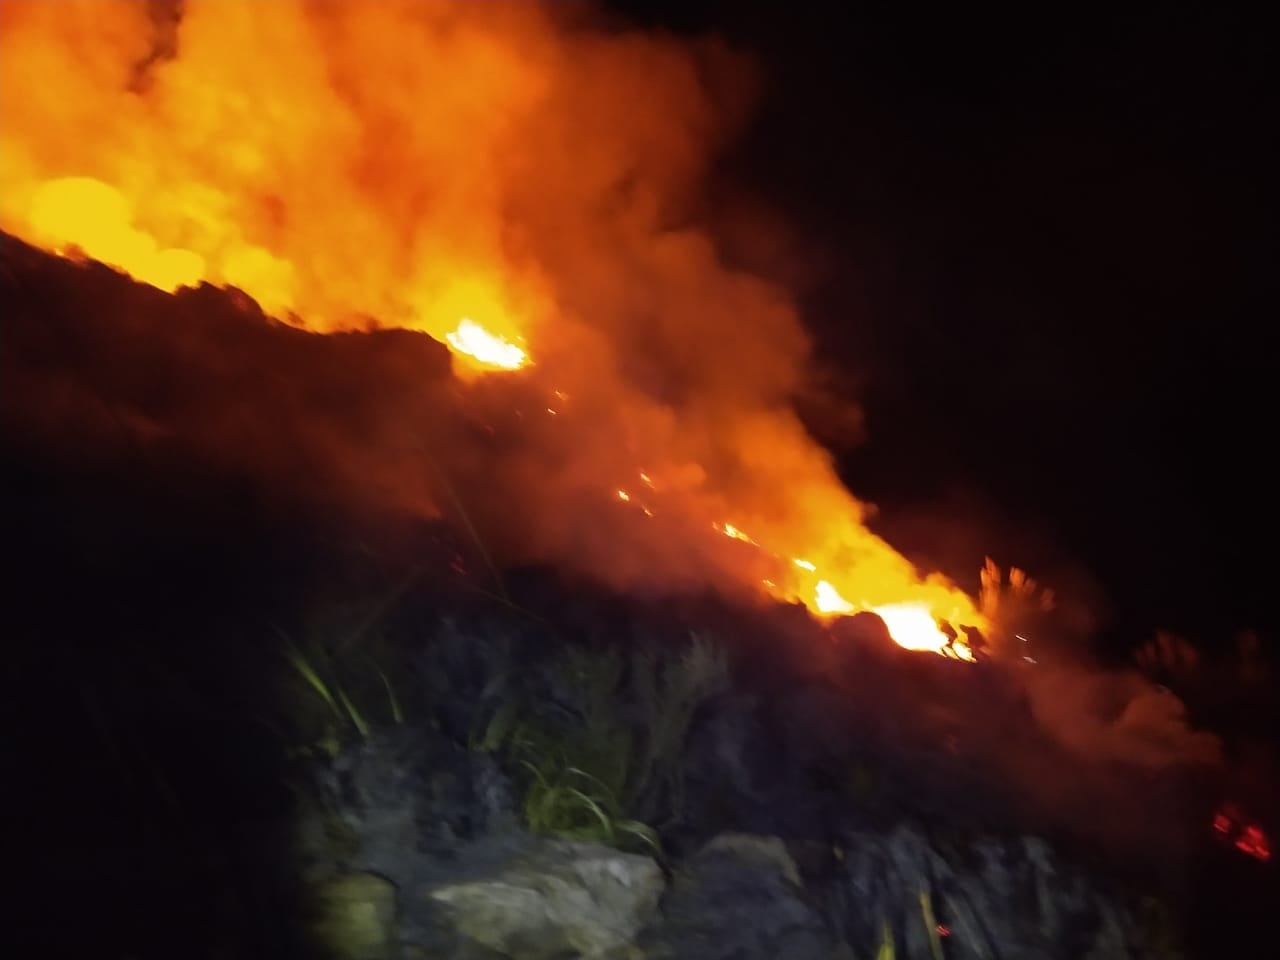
x: 336, y: 162
x: 484, y: 348
x: 733, y: 533
x: 912, y: 626
x: 78, y: 214
x: 827, y: 599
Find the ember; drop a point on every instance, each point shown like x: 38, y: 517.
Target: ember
x: 1233, y: 827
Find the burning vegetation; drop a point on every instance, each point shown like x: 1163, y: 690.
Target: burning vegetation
x: 518, y: 181
x: 522, y: 185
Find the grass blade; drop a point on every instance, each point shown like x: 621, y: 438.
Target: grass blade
x: 397, y: 715
x: 360, y: 724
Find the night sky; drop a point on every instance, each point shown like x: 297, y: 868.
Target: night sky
x: 1035, y: 257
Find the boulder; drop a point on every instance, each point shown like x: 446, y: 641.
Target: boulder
x: 739, y: 897
x: 561, y: 899
x: 356, y: 918
x: 411, y: 801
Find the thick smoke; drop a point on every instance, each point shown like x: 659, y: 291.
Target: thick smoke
x: 531, y: 166
x: 406, y: 164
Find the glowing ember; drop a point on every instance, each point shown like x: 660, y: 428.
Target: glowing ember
x: 1253, y: 841
x: 733, y: 533
x: 485, y: 348
x: 1244, y: 835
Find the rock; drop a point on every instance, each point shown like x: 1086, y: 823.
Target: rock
x: 764, y: 852
x: 728, y: 767
x: 411, y: 800
x: 744, y: 772
x: 356, y: 918
x: 996, y: 900
x: 739, y: 897
x: 562, y: 899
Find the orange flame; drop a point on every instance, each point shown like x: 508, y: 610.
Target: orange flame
x: 913, y: 624
x: 484, y: 348
x: 79, y: 214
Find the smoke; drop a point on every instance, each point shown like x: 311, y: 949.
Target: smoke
x: 1117, y: 716
x: 405, y: 164
x: 534, y: 167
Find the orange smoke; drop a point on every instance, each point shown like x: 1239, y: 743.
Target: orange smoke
x: 519, y: 181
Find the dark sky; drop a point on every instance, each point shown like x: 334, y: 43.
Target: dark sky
x: 1042, y: 240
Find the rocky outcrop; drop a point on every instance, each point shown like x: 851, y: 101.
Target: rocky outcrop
x: 739, y: 898
x: 558, y: 900
x: 434, y: 862
x: 356, y: 917
x: 833, y: 793
x: 992, y: 898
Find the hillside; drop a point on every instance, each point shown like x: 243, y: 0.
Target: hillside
x: 202, y: 501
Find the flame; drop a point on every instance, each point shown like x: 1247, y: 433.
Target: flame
x: 246, y: 147
x: 913, y: 626
x: 502, y: 177
x: 86, y: 216
x: 729, y: 530
x: 827, y: 599
x: 486, y: 349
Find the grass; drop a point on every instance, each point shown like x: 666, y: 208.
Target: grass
x: 669, y: 694
x: 608, y: 765
x: 331, y: 693
x: 603, y: 768
x: 328, y: 661
x: 567, y: 801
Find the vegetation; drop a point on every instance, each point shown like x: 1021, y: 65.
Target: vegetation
x: 593, y: 738
x: 601, y: 757
x: 338, y: 669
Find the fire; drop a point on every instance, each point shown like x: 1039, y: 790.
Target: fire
x: 913, y: 626
x: 86, y: 216
x: 827, y: 599
x: 503, y: 177
x: 484, y: 348
x: 729, y: 530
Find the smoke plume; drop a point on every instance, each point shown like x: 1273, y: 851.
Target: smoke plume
x: 533, y: 167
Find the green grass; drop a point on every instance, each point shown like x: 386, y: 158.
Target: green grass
x: 566, y: 801
x: 339, y: 673
x: 612, y: 765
